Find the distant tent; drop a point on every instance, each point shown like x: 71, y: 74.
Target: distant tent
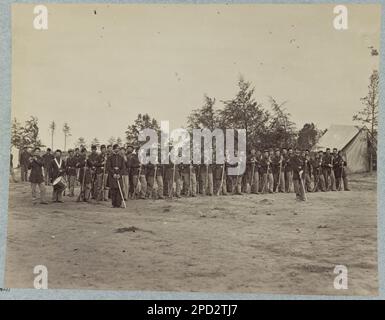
x: 353, y: 141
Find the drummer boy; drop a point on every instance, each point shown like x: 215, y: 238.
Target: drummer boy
x: 57, y: 172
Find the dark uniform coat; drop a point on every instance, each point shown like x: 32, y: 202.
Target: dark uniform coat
x: 36, y: 166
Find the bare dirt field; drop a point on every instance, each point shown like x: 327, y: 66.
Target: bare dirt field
x: 238, y: 244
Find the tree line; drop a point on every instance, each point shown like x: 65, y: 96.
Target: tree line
x: 265, y: 128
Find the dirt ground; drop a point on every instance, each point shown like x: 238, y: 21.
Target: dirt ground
x: 238, y: 244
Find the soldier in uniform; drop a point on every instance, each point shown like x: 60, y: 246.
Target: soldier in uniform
x: 307, y: 171
x: 71, y: 163
x: 47, y: 160
x: 327, y: 168
x: 77, y: 158
x: 103, y: 184
x: 267, y: 174
x: 188, y: 174
x: 172, y: 175
x: 278, y: 173
x: 319, y: 180
x: 57, y: 169
x: 85, y: 177
x: 154, y: 178
x: 288, y: 170
x: 137, y: 176
x: 115, y: 165
x: 297, y: 164
x: 219, y: 175
x: 24, y: 164
x: 125, y: 175
x: 206, y: 179
x: 94, y: 164
x: 36, y: 177
x: 340, y: 172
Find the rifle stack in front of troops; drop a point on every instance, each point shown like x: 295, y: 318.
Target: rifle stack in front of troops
x: 115, y: 173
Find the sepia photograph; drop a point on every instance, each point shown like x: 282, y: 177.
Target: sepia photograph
x: 206, y: 148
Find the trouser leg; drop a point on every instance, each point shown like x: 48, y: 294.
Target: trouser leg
x: 87, y: 191
x: 276, y: 181
x: 193, y: 185
x: 42, y: 192
x: 332, y: 180
x: 307, y: 182
x: 159, y: 180
x: 143, y: 186
x: 72, y: 182
x: 271, y: 182
x: 186, y: 184
x: 33, y: 189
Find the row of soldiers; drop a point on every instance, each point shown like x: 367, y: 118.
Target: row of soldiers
x: 116, y: 173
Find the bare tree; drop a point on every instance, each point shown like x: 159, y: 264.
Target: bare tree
x: 66, y: 131
x: 52, y: 127
x: 369, y: 114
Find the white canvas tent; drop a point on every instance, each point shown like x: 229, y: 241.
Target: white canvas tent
x: 353, y: 141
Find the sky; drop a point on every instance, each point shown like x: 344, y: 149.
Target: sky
x: 98, y: 66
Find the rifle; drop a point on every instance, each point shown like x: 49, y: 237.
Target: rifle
x: 137, y: 187
x: 172, y: 184
x: 252, y: 174
x: 155, y: 184
x: 103, y: 179
x: 222, y: 177
x: 267, y: 173
x: 83, y: 181
x: 279, y: 174
x: 190, y: 179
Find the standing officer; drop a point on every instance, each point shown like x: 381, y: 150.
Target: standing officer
x: 24, y: 164
x: 267, y: 174
x: 340, y: 172
x: 327, y: 168
x: 36, y: 177
x: 71, y: 172
x: 47, y: 160
x: 115, y: 166
x: 278, y: 174
x: 297, y: 164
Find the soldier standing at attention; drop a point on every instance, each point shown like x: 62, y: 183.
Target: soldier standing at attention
x: 115, y: 165
x: 24, y: 164
x: 154, y: 178
x: 71, y: 172
x: 172, y: 175
x: 288, y: 171
x: 340, y: 172
x: 267, y: 174
x: 297, y: 164
x: 102, y: 185
x: 307, y: 172
x: 36, y: 177
x: 319, y: 180
x: 57, y: 169
x: 251, y: 175
x: 84, y: 176
x: 278, y: 174
x: 327, y: 167
x: 47, y: 160
x: 93, y: 164
x: 138, y: 176
x: 125, y: 177
x: 206, y: 178
x: 219, y: 175
x: 77, y: 159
